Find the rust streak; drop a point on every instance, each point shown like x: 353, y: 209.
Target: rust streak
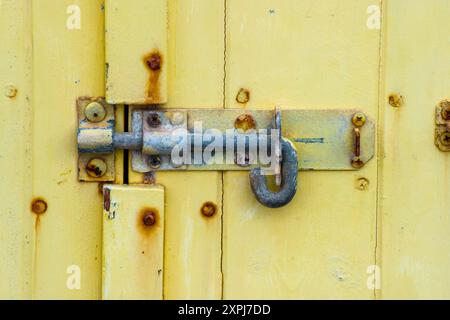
x: 154, y: 62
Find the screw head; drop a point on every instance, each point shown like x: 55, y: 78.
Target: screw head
x: 149, y: 219
x: 154, y: 61
x: 445, y: 138
x: 176, y: 119
x: 39, y: 206
x: 154, y: 120
x: 154, y: 162
x: 96, y: 168
x: 357, y: 163
x: 10, y: 91
x: 396, y: 100
x: 359, y: 119
x: 245, y: 122
x: 445, y: 105
x: 208, y: 209
x: 95, y: 112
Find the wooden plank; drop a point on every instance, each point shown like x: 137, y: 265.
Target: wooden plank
x: 315, y: 55
x: 16, y: 222
x: 414, y: 195
x: 136, y: 51
x: 68, y: 62
x: 133, y: 242
x: 192, y: 263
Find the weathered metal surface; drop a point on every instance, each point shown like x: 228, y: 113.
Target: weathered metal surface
x: 442, y: 136
x: 133, y: 242
x: 325, y: 138
x: 95, y: 140
x: 288, y: 187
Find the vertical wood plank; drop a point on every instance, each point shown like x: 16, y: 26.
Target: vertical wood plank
x: 68, y: 62
x: 315, y: 55
x: 192, y: 262
x: 16, y: 221
x: 136, y: 51
x: 133, y: 242
x: 414, y: 195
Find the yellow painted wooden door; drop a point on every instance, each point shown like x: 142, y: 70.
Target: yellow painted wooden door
x: 378, y: 233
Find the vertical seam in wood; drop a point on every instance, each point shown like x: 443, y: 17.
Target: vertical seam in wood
x: 379, y: 147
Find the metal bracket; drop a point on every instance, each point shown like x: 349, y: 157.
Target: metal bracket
x: 442, y: 137
x: 235, y: 140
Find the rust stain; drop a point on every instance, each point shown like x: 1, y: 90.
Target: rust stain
x: 208, y: 209
x: 154, y: 62
x: 106, y: 199
x: 245, y: 122
x: 243, y: 96
x: 39, y: 206
x: 148, y: 220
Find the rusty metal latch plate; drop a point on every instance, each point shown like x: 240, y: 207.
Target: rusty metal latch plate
x: 325, y: 139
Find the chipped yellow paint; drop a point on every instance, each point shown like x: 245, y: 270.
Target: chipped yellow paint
x: 415, y: 180
x: 136, y: 51
x: 16, y: 221
x: 303, y: 54
x: 133, y: 242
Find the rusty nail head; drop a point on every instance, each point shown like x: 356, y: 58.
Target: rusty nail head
x: 96, y: 168
x: 10, y: 91
x: 208, y: 209
x: 155, y: 162
x: 154, y: 62
x: 445, y: 138
x: 154, y: 120
x: 357, y: 163
x: 245, y: 122
x: 39, y: 206
x: 359, y: 119
x: 445, y: 112
x: 396, y: 100
x: 149, y: 218
x: 95, y: 112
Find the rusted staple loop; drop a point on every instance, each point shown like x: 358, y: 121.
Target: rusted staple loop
x: 288, y: 189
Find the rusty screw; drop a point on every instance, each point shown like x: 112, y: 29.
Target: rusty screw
x: 359, y: 119
x: 149, y: 218
x: 154, y: 162
x: 245, y: 122
x: 395, y: 100
x: 154, y: 120
x: 208, y: 209
x: 445, y: 138
x: 95, y: 112
x: 10, y: 91
x: 357, y: 163
x: 154, y: 62
x: 39, y: 206
x: 96, y: 168
x: 445, y: 105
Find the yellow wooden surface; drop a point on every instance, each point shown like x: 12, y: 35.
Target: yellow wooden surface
x: 16, y: 222
x: 67, y: 63
x: 415, y: 179
x: 136, y: 30
x: 303, y: 54
x: 132, y: 251
x: 192, y: 262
